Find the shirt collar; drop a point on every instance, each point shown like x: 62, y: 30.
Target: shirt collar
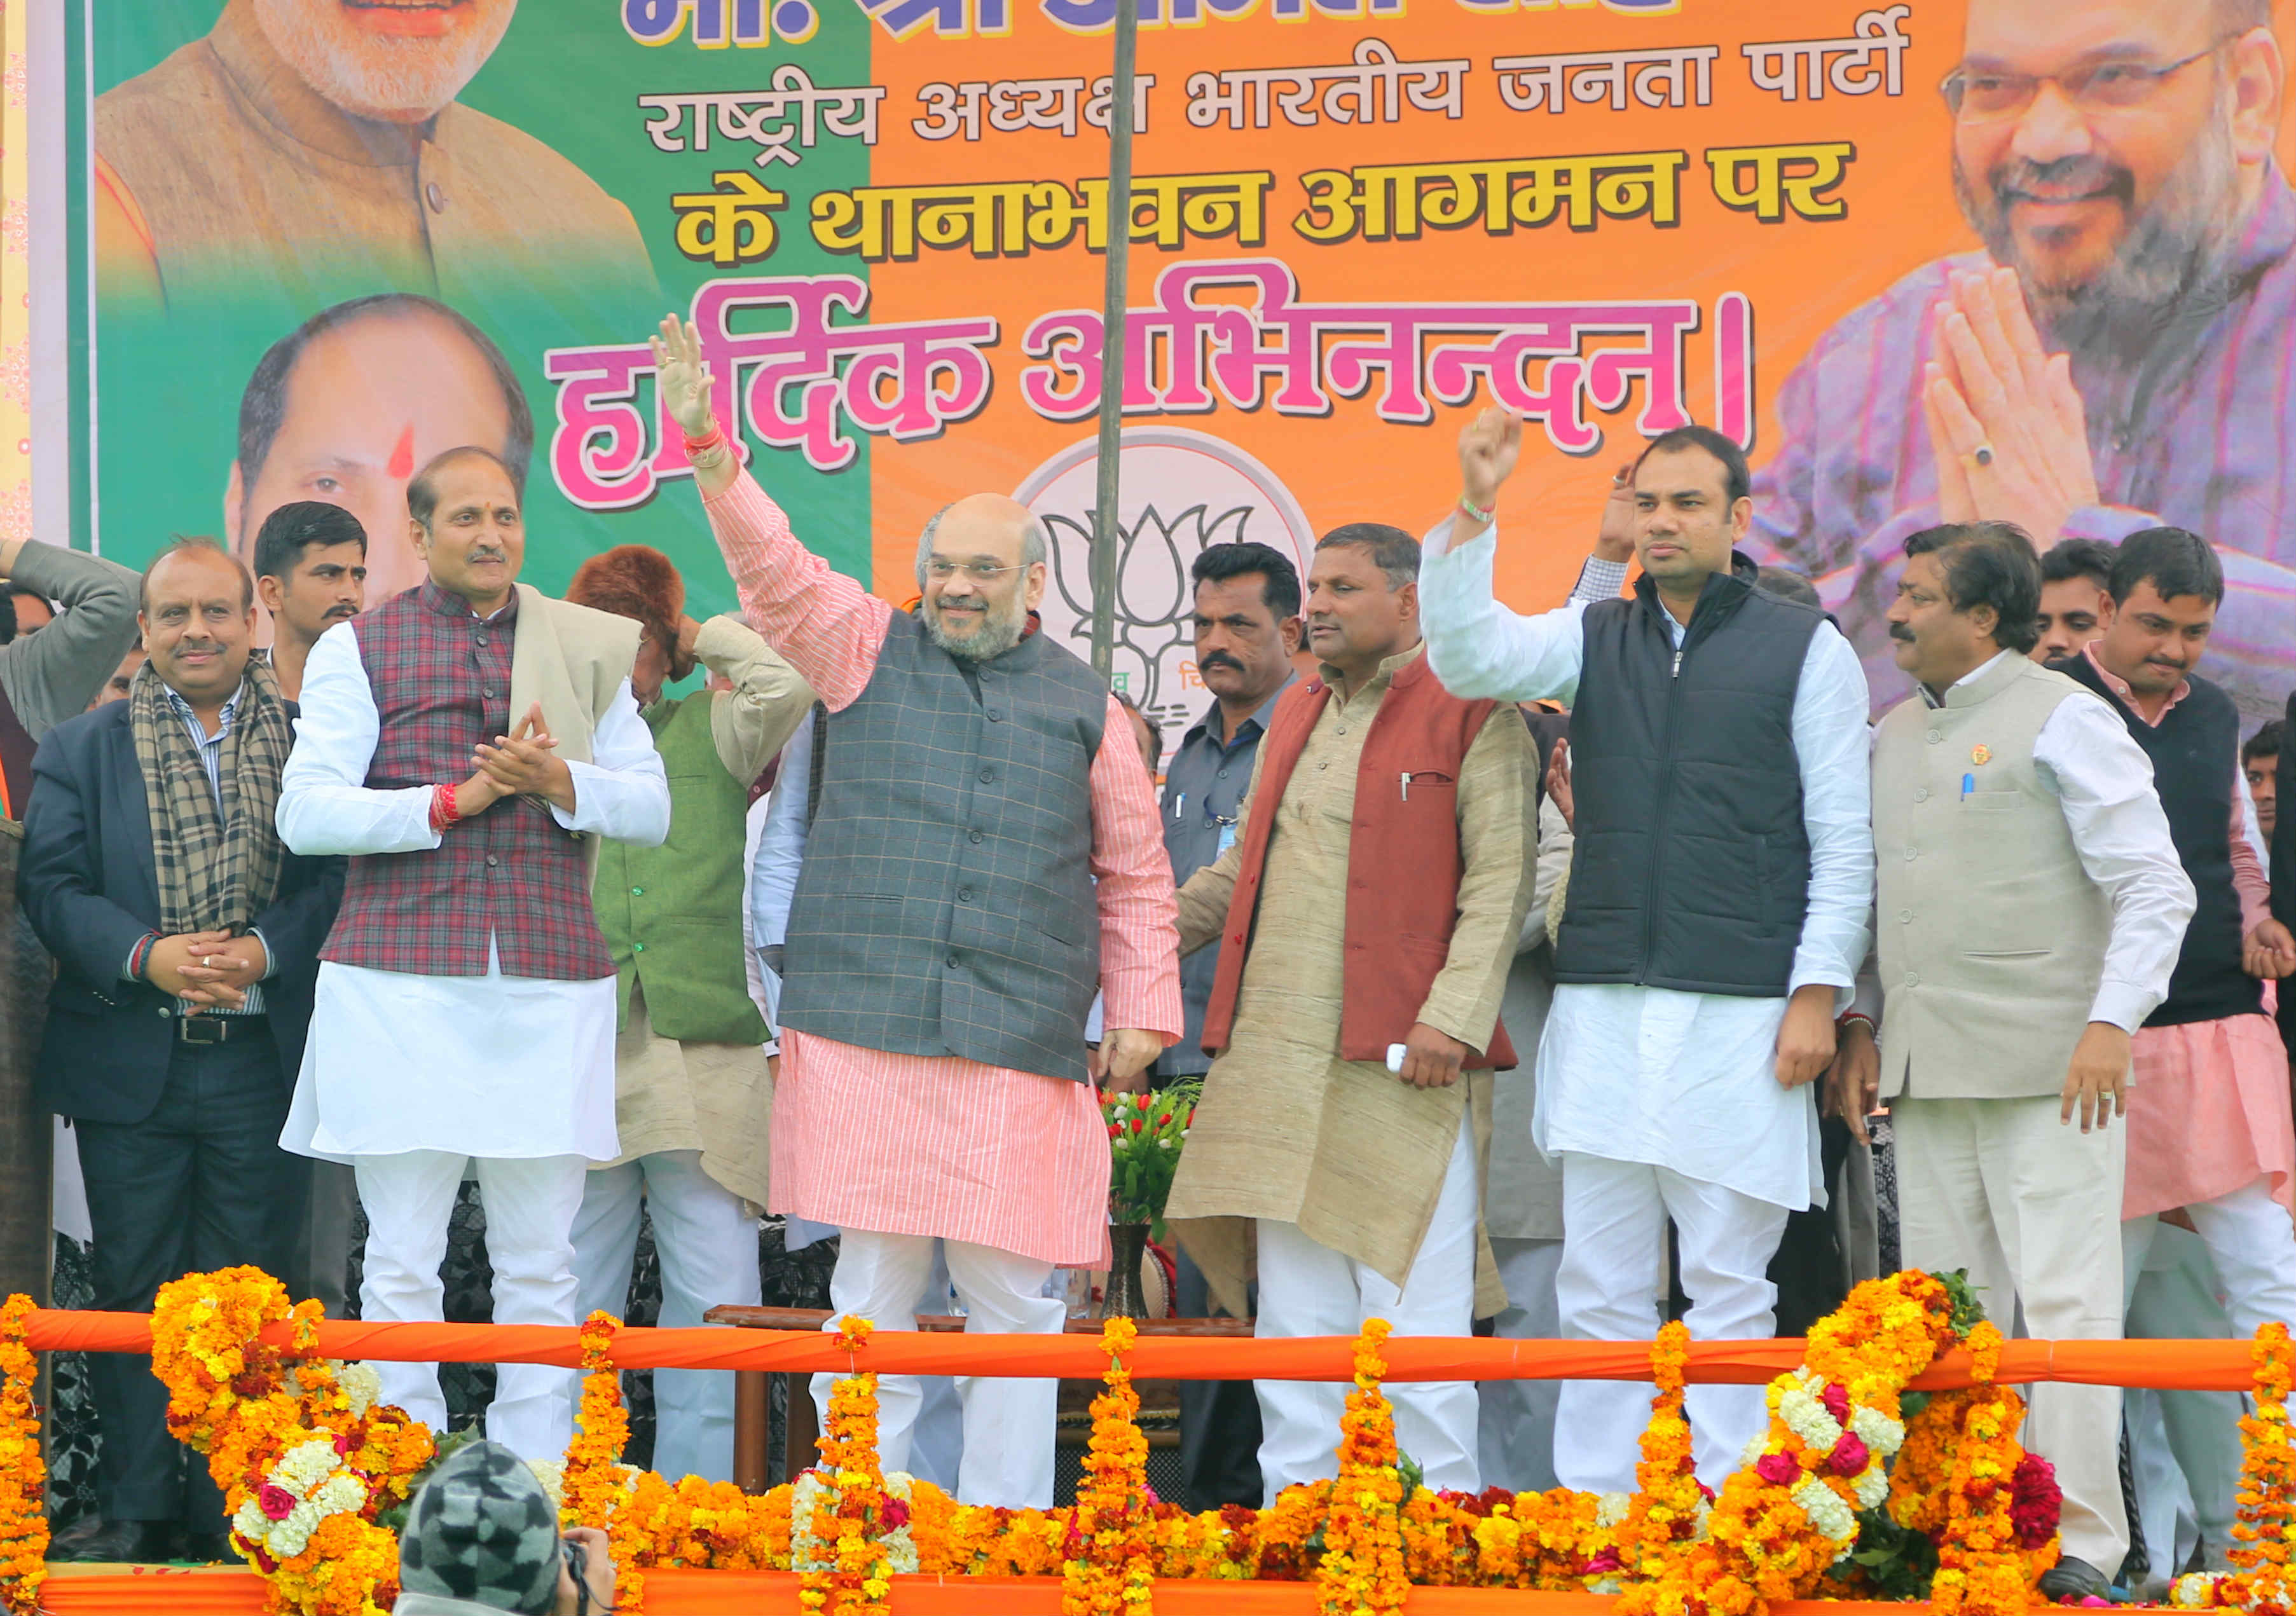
x: 447, y: 603
x: 223, y: 726
x: 2119, y: 686
x: 1929, y: 699
x: 1388, y: 669
x: 1261, y: 714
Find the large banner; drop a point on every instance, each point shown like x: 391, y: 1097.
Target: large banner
x: 326, y: 239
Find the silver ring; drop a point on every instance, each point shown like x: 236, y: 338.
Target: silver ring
x: 1982, y: 454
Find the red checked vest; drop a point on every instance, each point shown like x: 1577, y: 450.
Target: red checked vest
x: 441, y: 683
x: 1404, y: 861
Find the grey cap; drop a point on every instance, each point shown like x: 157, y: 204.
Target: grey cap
x: 482, y: 1530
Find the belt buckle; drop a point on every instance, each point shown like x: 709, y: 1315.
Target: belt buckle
x: 200, y: 1029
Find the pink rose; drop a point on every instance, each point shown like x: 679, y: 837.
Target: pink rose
x: 895, y: 1514
x: 276, y: 1502
x: 343, y: 1444
x: 1836, y: 1398
x: 1849, y: 1456
x: 1601, y: 1564
x: 1778, y: 1469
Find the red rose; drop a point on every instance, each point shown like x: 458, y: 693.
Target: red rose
x: 276, y: 1502
x: 1849, y: 1456
x: 1778, y: 1469
x: 1601, y: 1564
x: 895, y: 1515
x: 1836, y: 1398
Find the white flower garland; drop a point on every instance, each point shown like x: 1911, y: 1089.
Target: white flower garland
x: 310, y: 1472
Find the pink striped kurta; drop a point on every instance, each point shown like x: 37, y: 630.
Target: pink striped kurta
x: 925, y: 1144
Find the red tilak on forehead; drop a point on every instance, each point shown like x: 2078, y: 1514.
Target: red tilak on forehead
x: 402, y: 453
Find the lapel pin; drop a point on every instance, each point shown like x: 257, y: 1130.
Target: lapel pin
x: 1980, y: 754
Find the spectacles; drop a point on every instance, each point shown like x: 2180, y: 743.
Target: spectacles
x: 979, y: 572
x: 2102, y: 87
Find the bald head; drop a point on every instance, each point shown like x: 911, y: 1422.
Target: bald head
x: 982, y: 525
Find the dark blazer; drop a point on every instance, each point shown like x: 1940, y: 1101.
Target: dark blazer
x: 89, y: 886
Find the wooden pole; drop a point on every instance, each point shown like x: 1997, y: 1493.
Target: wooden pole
x: 1106, y: 535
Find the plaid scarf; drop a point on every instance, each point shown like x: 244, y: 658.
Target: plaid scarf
x: 217, y: 870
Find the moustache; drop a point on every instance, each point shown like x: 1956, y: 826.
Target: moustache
x: 487, y: 553
x: 2083, y: 175
x: 1900, y: 633
x: 342, y: 611
x: 1218, y: 658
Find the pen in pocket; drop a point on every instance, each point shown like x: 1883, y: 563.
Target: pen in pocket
x: 1968, y: 784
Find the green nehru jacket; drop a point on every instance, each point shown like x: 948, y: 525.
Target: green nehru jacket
x: 672, y: 914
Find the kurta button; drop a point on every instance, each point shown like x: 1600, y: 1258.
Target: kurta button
x: 1905, y: 917
x: 487, y: 693
x: 975, y: 837
x: 492, y: 861
x: 1223, y: 774
x: 637, y: 891
x: 1936, y: 735
x: 1343, y: 729
x: 995, y: 715
x: 162, y: 1012
x: 1321, y: 767
x: 1912, y: 979
x: 1911, y: 853
x: 637, y: 948
x: 965, y: 895
x: 1921, y: 793
x: 483, y: 639
x: 987, y: 776
x: 436, y: 196
x: 952, y: 961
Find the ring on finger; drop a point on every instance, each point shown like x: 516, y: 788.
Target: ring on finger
x: 1982, y: 455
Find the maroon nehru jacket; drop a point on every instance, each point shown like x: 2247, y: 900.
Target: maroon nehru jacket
x: 441, y: 683
x: 1404, y: 861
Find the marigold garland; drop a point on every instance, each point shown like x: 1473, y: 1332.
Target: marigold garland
x: 1363, y: 1565
x: 316, y: 1466
x: 2265, y: 1533
x: 23, y: 1475
x: 1110, y: 1559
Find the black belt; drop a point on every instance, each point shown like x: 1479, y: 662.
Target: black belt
x: 220, y: 1028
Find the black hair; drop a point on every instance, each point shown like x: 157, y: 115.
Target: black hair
x: 2089, y: 558
x: 2173, y: 560
x: 1394, y: 551
x: 1737, y: 482
x: 1789, y: 585
x: 307, y: 524
x: 1279, y: 579
x: 180, y: 544
x: 1989, y: 564
x: 263, y: 405
x: 2265, y: 743
x: 423, y: 488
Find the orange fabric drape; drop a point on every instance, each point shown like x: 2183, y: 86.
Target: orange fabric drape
x: 2219, y: 1365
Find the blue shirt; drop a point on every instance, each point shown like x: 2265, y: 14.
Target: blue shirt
x: 1204, y: 786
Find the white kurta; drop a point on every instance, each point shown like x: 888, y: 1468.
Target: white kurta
x: 491, y: 1066
x: 1683, y: 1081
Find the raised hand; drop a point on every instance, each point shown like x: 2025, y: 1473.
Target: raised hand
x: 681, y: 376
x: 1488, y: 447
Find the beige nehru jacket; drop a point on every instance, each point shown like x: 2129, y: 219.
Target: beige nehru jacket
x: 222, y: 171
x: 570, y: 661
x: 1991, y: 936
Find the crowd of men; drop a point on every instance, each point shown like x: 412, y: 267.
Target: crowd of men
x: 1550, y: 969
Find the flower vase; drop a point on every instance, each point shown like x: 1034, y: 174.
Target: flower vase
x: 1125, y: 1298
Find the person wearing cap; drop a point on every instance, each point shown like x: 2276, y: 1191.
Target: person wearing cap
x: 482, y: 1537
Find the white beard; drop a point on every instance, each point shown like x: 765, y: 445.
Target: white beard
x: 1001, y: 627
x: 391, y: 79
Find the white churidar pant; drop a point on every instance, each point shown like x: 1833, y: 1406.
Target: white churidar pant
x: 1615, y: 1216
x: 1008, y: 1424
x: 2023, y: 1201
x: 530, y: 1204
x: 1307, y: 1289
x: 708, y: 1246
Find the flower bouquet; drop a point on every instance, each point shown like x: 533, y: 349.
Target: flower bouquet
x: 1145, y: 1133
